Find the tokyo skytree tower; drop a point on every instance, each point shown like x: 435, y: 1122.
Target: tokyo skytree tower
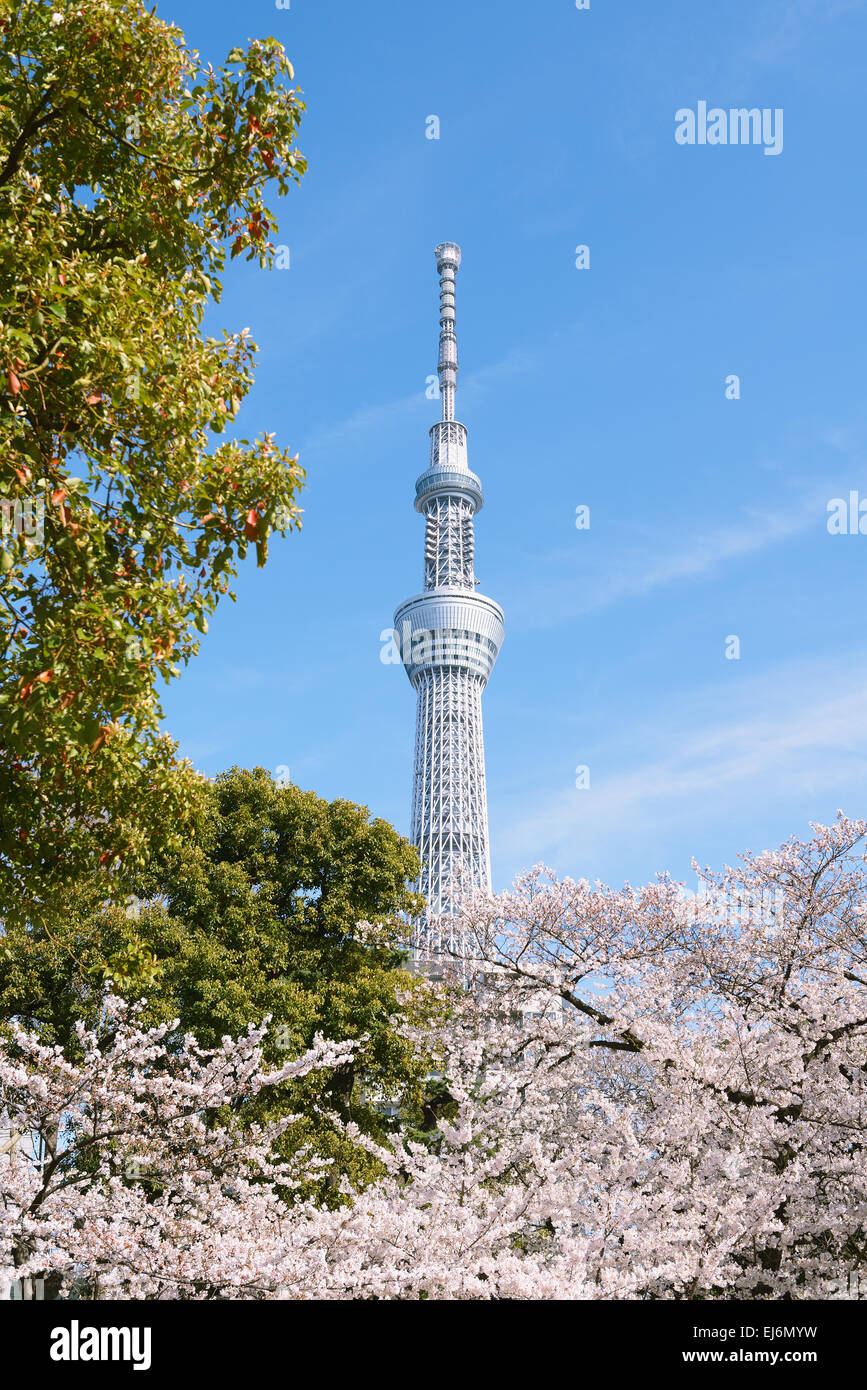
x: 449, y: 640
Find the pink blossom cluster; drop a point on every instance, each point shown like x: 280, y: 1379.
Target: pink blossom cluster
x: 637, y: 1102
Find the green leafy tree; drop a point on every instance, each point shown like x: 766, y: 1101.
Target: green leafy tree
x: 128, y: 172
x: 257, y: 915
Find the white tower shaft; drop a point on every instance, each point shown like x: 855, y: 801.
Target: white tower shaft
x: 450, y: 638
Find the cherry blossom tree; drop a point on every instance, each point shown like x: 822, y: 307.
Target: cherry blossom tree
x: 122, y: 1179
x: 695, y: 1067
x: 637, y: 1095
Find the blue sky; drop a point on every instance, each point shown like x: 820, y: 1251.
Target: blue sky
x: 603, y: 387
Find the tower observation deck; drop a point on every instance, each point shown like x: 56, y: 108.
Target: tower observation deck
x: 450, y: 637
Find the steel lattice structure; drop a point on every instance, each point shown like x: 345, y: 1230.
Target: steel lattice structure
x: 450, y: 637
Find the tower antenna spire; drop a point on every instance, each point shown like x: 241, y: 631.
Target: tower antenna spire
x: 448, y: 261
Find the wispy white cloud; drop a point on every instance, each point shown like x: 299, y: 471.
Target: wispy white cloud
x: 369, y: 419
x: 376, y: 419
x: 789, y: 26
x: 639, y: 573
x: 569, y: 586
x: 799, y: 736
